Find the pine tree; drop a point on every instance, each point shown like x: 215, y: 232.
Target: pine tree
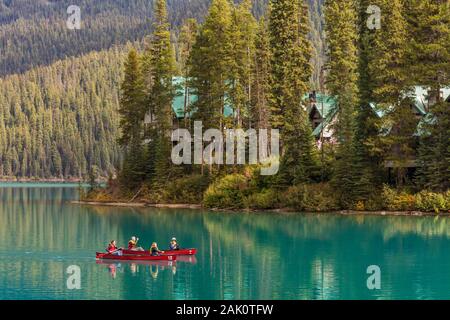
x: 210, y: 65
x: 367, y: 121
x: 430, y: 61
x: 283, y: 29
x: 365, y: 44
x: 430, y: 48
x: 242, y: 34
x: 367, y: 163
x: 342, y: 35
x: 434, y: 151
x: 132, y: 110
x: 131, y: 101
x: 290, y: 75
x: 160, y: 57
x: 387, y: 60
x: 392, y: 87
x: 186, y: 42
x: 261, y: 78
x: 210, y: 70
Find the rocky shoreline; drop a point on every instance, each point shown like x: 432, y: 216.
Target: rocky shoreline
x: 38, y: 180
x: 48, y: 180
x: 281, y: 211
x: 137, y: 204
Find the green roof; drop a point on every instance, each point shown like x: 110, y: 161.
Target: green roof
x: 446, y: 92
x: 419, y: 97
x: 329, y: 118
x: 179, y: 100
x: 180, y: 95
x: 324, y: 104
x: 430, y: 118
x: 380, y: 113
x: 326, y: 107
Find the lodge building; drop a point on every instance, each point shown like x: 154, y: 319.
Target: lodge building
x: 322, y: 112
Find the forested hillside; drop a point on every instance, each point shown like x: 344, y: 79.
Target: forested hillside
x: 61, y: 120
x: 34, y: 32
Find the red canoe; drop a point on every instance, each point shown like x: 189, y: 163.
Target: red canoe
x: 135, y: 257
x: 181, y: 252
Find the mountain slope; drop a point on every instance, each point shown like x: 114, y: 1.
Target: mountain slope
x: 60, y: 120
x: 34, y: 32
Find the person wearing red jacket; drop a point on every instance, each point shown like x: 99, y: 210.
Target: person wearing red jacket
x: 112, y: 248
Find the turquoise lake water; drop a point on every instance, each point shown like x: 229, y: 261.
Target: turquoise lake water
x: 241, y: 255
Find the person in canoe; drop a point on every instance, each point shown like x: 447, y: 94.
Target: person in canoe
x: 112, y: 248
x: 173, y: 245
x: 132, y: 244
x: 154, y: 251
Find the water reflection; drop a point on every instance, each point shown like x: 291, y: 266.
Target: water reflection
x: 241, y: 255
x: 134, y: 267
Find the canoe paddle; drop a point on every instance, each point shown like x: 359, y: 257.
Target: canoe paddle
x: 103, y: 254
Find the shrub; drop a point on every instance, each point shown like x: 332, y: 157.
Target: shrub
x: 149, y: 193
x: 228, y: 192
x: 395, y: 201
x: 447, y: 200
x: 311, y: 198
x: 96, y: 195
x: 430, y: 201
x: 184, y: 190
x: 360, y: 206
x: 266, y: 199
x: 426, y: 201
x: 188, y: 190
x: 374, y: 203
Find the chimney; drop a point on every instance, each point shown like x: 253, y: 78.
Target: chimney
x: 313, y: 97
